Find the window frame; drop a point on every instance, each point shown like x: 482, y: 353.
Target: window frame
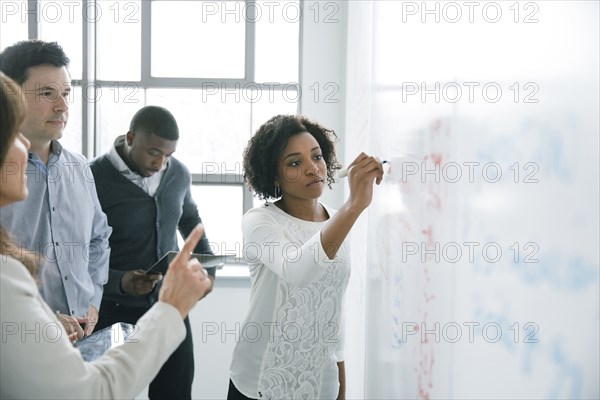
x: 90, y: 132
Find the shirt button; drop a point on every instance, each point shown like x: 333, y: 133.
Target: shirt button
x: 158, y: 224
x: 53, y: 208
x: 57, y: 244
x: 67, y: 278
x: 72, y: 312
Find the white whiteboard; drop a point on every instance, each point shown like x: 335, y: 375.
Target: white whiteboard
x: 523, y: 323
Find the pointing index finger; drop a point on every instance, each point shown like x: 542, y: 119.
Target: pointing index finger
x: 189, y: 245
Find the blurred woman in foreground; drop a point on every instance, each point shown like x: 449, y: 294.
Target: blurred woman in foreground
x: 37, y: 359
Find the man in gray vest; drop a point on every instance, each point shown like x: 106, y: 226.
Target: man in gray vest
x: 146, y: 195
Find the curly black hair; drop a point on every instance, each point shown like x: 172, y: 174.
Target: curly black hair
x: 265, y: 147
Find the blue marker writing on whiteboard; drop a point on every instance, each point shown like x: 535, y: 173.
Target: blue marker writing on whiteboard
x: 342, y: 173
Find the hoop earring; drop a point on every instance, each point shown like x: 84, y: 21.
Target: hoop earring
x: 277, y: 192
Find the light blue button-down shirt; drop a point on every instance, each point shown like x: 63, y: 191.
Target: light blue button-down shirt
x: 62, y: 221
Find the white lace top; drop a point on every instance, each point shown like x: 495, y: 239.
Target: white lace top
x: 292, y: 337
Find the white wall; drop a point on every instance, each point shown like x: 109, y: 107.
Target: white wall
x: 322, y: 73
x: 358, y: 126
x: 216, y: 324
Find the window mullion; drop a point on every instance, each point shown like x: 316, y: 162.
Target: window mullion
x: 250, y: 40
x: 146, y: 44
x: 32, y: 19
x: 248, y: 201
x: 89, y: 124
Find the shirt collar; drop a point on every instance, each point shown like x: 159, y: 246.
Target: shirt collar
x: 118, y: 162
x: 55, y: 152
x: 56, y: 148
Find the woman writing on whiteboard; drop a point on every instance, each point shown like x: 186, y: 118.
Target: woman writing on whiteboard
x: 37, y: 359
x: 291, y: 341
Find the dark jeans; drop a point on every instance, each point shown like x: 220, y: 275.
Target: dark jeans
x: 174, y: 380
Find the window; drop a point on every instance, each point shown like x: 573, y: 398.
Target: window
x: 13, y: 23
x: 221, y: 67
x: 206, y: 44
